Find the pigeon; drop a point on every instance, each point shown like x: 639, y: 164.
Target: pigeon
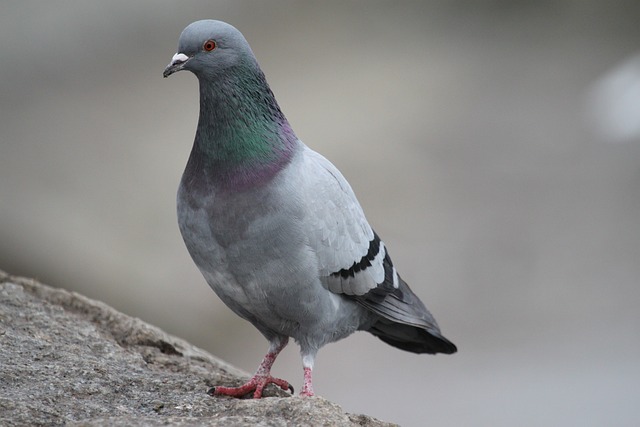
x: 274, y: 227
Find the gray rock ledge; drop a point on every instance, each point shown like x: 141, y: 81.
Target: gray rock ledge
x: 68, y: 360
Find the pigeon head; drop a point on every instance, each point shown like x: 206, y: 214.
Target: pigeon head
x: 209, y: 48
x: 243, y: 139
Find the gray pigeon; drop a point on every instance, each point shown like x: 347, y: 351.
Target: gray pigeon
x: 275, y: 228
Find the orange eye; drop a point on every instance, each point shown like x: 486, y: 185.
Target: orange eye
x: 209, y: 45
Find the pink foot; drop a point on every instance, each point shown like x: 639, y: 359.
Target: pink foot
x: 307, y: 387
x: 262, y: 377
x: 255, y: 385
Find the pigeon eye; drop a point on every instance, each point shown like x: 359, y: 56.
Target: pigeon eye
x: 209, y: 45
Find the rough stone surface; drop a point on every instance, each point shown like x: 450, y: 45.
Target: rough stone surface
x: 68, y: 360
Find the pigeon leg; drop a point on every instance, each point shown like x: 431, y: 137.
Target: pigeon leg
x: 307, y: 364
x: 261, y: 378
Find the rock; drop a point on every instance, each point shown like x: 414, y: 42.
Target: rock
x: 66, y: 359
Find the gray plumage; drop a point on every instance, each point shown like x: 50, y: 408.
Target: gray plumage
x: 274, y: 227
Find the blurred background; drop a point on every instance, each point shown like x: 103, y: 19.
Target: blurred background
x: 494, y: 145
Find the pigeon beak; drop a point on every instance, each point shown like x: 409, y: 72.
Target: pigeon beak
x: 177, y: 63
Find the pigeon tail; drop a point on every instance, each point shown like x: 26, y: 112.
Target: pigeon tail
x: 412, y: 338
x: 403, y: 320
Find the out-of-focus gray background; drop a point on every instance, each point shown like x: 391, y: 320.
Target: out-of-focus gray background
x: 494, y: 146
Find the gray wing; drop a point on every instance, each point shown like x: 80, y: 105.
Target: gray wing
x: 353, y: 261
x: 349, y: 256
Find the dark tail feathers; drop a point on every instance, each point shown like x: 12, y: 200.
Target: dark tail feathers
x: 411, y: 338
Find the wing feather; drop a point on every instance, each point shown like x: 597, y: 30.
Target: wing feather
x: 353, y: 261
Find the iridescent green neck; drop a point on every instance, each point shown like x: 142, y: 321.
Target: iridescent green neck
x: 243, y: 139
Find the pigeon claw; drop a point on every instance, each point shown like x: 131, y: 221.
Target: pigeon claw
x: 255, y: 385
